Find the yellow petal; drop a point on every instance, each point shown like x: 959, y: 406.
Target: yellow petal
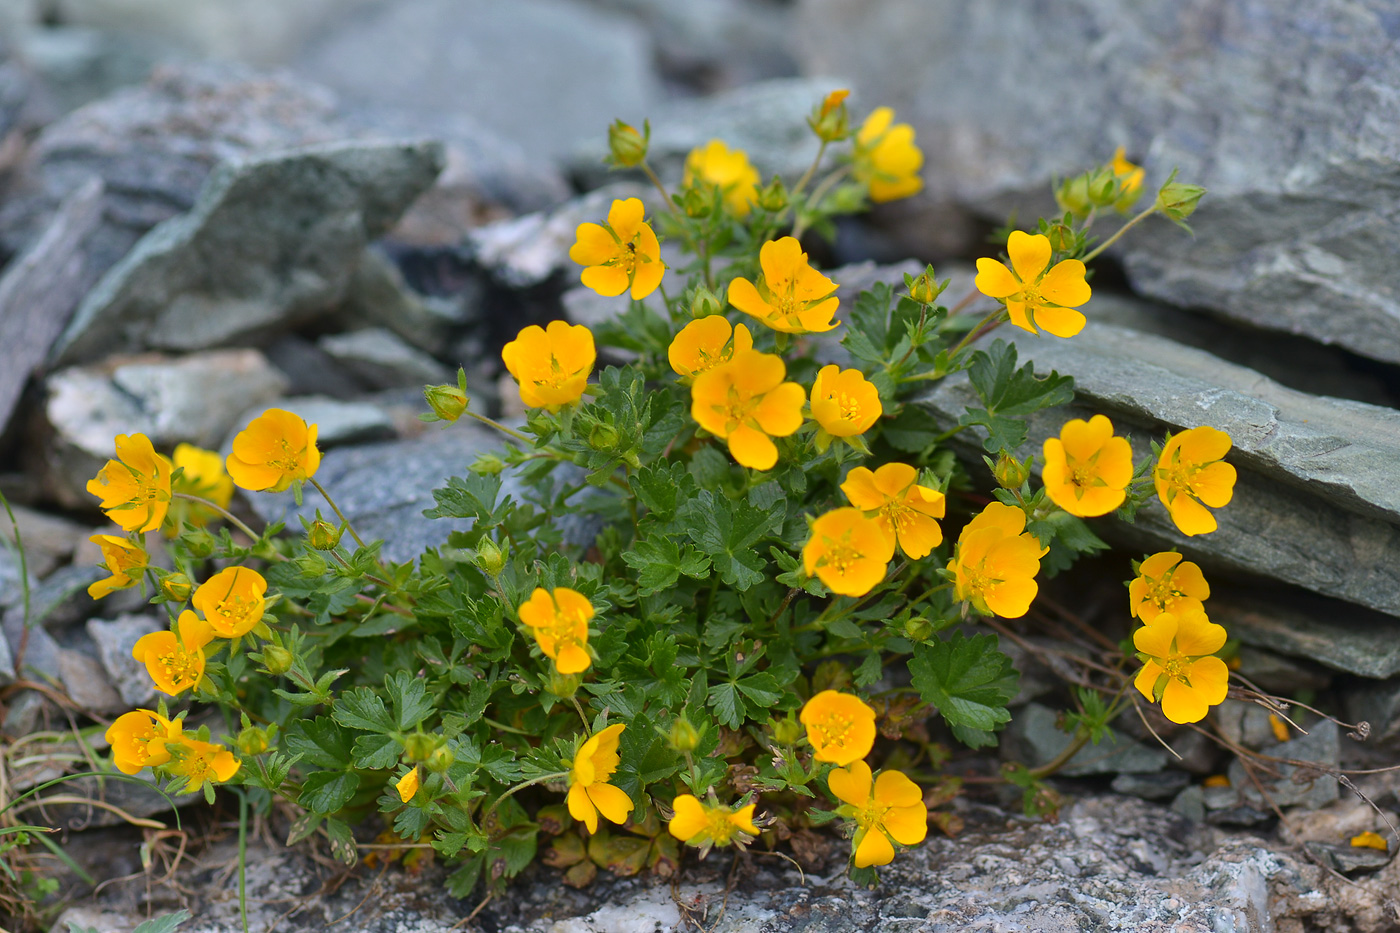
x: 908, y: 825
x: 752, y: 448
x: 1155, y: 640
x: 593, y: 246
x: 608, y: 281
x: 1062, y: 322
x: 873, y: 849
x: 689, y: 820
x: 1183, y: 704
x: 780, y: 412
x: 1065, y: 285
x: 1030, y: 254
x: 581, y: 808
x: 851, y: 784
x: 995, y: 280
x: 611, y: 802
x: 625, y: 218
x: 1190, y: 516
x: 1204, y: 444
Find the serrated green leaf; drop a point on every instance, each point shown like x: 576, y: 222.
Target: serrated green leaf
x: 473, y: 496
x: 724, y: 699
x: 328, y: 791
x: 659, y: 562
x: 970, y: 682
x: 727, y: 532
x: 163, y: 924
x: 342, y: 842
x: 375, y: 752
x: 361, y: 708
x: 410, y: 700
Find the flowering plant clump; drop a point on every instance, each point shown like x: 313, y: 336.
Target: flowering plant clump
x: 790, y: 588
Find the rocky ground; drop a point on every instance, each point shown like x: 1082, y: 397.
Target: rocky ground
x: 207, y: 207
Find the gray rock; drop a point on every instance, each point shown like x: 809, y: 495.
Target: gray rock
x: 1296, y: 784
x: 309, y: 370
x: 114, y: 640
x: 1292, y: 233
x: 1345, y: 638
x: 1278, y: 674
x: 1160, y: 785
x: 1317, y: 503
x: 337, y: 423
x: 1377, y: 704
x: 1244, y: 723
x: 380, y: 359
x: 85, y: 682
x: 1190, y: 803
x: 1348, y: 859
x: 541, y: 72
x: 272, y: 242
x: 379, y: 297
x: 61, y: 599
x: 527, y: 250
x: 1033, y: 739
x: 48, y: 542
x: 78, y: 65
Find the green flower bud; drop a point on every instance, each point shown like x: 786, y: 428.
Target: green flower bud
x: 1177, y: 200
x: 488, y: 465
x: 830, y: 121
x: 1011, y: 473
x: 198, y: 542
x: 419, y: 747
x: 787, y: 731
x: 490, y: 558
x: 440, y: 760
x: 1061, y: 237
x: 276, y: 659
x: 705, y: 303
x: 176, y: 587
x: 252, y: 741
x: 697, y: 203
x: 603, y: 437
x: 448, y: 402
x: 773, y: 197
x: 1073, y: 195
x: 918, y: 629
x: 627, y: 147
x: 323, y: 536
x: 683, y: 737
x: 925, y: 288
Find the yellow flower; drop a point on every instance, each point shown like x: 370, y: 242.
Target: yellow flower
x: 848, y: 552
x: 621, y: 254
x: 1032, y: 295
x: 589, y: 790
x: 232, y: 601
x: 559, y: 622
x: 704, y: 825
x: 704, y: 344
x: 407, y: 785
x: 199, y: 762
x: 746, y: 402
x: 886, y: 158
x: 274, y: 451
x: 124, y: 560
x: 201, y: 474
x: 1087, y: 469
x: 887, y: 810
x: 175, y: 663
x: 995, y: 562
x: 715, y: 164
x: 1179, y: 664
x: 1129, y: 177
x: 135, y: 487
x: 138, y: 740
x: 1191, y: 474
x: 840, y: 726
x: 791, y: 296
x: 907, y: 512
x: 1370, y: 840
x: 551, y: 364
x: 831, y: 122
x: 844, y: 402
x: 1166, y: 583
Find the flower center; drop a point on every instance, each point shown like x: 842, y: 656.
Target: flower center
x: 833, y: 730
x: 737, y: 409
x: 289, y: 461
x: 718, y: 827
x: 847, y: 406
x: 181, y: 667
x: 1177, y: 667
x: 840, y: 556
x: 900, y: 515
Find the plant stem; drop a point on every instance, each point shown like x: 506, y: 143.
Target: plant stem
x: 665, y: 198
x: 811, y: 170
x: 524, y: 438
x: 229, y: 516
x: 521, y: 786
x: 1121, y: 230
x: 800, y: 227
x: 335, y: 508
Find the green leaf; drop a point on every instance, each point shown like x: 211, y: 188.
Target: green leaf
x: 328, y: 791
x: 361, y: 708
x: 660, y: 562
x: 409, y: 696
x: 320, y: 742
x: 662, y: 486
x: 375, y: 752
x: 342, y: 842
x: 912, y: 431
x: 725, y: 701
x: 163, y: 924
x: 1009, y: 394
x: 709, y: 467
x: 728, y: 531
x: 970, y: 682
x: 473, y: 496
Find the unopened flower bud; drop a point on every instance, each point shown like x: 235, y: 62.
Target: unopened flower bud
x: 323, y: 536
x: 918, y: 629
x: 925, y: 288
x: 697, y: 202
x: 831, y: 122
x: 420, y: 747
x: 276, y: 659
x: 1073, y: 195
x: 773, y: 197
x: 626, y: 146
x: 1177, y: 200
x: 488, y: 465
x: 603, y: 437
x: 198, y: 542
x: 1011, y: 473
x: 448, y: 402
x: 705, y: 303
x: 490, y: 558
x: 684, y: 737
x: 176, y: 587
x: 787, y: 731
x: 440, y: 760
x: 1061, y: 237
x: 252, y: 741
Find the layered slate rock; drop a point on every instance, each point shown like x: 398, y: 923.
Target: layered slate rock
x: 1287, y: 110
x: 1317, y: 503
x: 273, y: 240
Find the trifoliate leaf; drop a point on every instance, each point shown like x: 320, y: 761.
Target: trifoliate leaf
x: 970, y: 682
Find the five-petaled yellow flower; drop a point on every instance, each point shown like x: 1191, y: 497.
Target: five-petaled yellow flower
x: 274, y: 451
x: 790, y: 296
x: 124, y: 560
x: 840, y: 726
x: 232, y: 601
x: 746, y: 402
x: 1087, y: 469
x: 199, y: 762
x: 907, y: 512
x: 175, y: 662
x: 135, y: 487
x: 1032, y: 295
x: 715, y: 164
x: 621, y: 254
x: 995, y: 562
x: 201, y: 474
x: 1191, y: 474
x: 888, y: 809
x: 407, y: 786
x: 847, y: 551
x: 551, y: 363
x: 1166, y: 583
x: 886, y: 159
x: 589, y: 790
x: 559, y: 622
x: 704, y: 344
x: 1179, y: 664
x: 138, y: 740
x: 705, y: 825
x: 844, y: 402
